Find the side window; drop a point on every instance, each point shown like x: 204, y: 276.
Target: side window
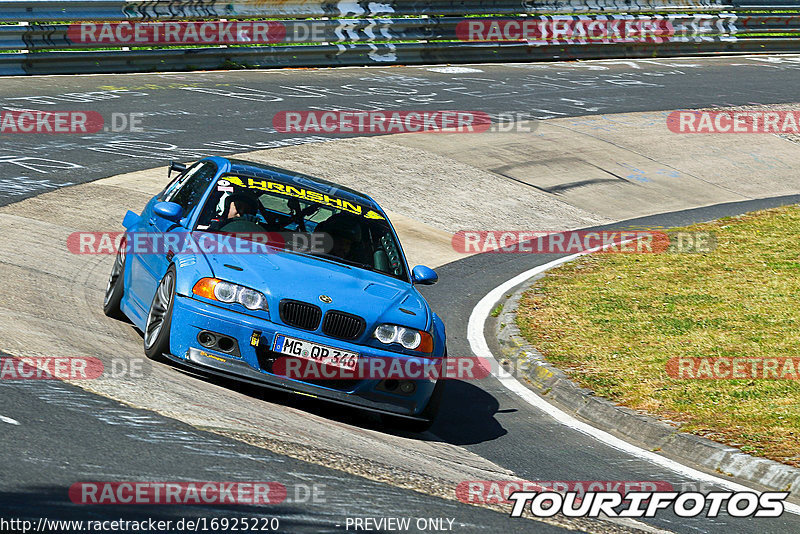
x: 190, y: 189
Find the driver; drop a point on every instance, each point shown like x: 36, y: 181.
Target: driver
x: 345, y: 231
x: 240, y: 210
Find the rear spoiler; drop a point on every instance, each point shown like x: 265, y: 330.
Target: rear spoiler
x: 175, y: 166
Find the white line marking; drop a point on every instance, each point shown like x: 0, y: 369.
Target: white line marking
x: 480, y: 348
x: 9, y: 420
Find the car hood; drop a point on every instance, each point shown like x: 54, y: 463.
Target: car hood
x: 282, y: 275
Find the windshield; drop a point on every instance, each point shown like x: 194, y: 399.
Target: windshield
x: 352, y: 233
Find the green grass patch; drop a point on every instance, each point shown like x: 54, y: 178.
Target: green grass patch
x: 612, y: 321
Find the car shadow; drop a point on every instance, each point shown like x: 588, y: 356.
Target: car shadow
x: 466, y: 415
x: 453, y: 425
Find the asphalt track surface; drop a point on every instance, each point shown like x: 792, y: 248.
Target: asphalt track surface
x: 188, y: 116
x: 123, y: 443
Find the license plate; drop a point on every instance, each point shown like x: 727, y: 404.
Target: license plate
x: 314, y: 352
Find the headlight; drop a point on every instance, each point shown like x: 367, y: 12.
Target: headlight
x: 409, y: 338
x: 219, y: 290
x: 252, y: 300
x: 225, y: 292
x: 386, y: 333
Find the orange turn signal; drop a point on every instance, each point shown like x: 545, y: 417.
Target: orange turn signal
x: 205, y: 288
x: 426, y: 344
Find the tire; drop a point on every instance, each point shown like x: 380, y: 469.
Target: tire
x: 159, y: 319
x: 429, y: 413
x: 115, y: 289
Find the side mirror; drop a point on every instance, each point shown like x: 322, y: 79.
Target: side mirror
x: 174, y: 166
x: 424, y: 275
x: 130, y: 220
x: 169, y: 211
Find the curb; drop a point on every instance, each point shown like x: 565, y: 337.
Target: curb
x: 653, y: 434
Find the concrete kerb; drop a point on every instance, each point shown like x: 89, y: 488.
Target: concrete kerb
x: 650, y: 433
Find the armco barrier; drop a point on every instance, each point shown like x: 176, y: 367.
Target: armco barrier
x: 73, y: 36
x: 45, y: 10
x: 674, y: 28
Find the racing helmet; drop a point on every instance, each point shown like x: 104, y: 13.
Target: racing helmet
x: 245, y: 204
x: 342, y: 226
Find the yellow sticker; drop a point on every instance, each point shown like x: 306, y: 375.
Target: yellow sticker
x: 207, y: 355
x: 302, y: 193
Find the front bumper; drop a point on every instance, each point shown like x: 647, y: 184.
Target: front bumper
x: 191, y: 316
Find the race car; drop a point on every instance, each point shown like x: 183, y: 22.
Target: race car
x: 284, y: 280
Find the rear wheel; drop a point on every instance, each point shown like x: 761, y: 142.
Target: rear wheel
x: 159, y: 320
x: 115, y: 288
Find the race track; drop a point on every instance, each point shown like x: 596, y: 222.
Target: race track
x: 177, y: 426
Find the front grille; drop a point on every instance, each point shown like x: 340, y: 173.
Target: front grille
x: 343, y: 325
x: 300, y: 314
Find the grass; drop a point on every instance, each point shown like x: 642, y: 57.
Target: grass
x: 612, y: 321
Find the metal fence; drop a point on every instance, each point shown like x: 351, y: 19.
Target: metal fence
x: 79, y: 36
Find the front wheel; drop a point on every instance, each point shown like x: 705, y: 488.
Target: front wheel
x: 159, y: 320
x: 115, y: 288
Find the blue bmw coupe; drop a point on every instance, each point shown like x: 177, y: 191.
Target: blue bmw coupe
x: 283, y: 280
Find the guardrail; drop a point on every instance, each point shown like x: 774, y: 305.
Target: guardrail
x: 45, y: 10
x: 78, y: 36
